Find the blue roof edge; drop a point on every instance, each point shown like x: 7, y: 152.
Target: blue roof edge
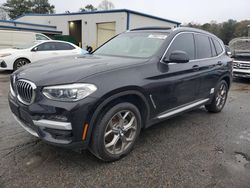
x: 25, y: 23
x: 29, y: 29
x: 104, y: 11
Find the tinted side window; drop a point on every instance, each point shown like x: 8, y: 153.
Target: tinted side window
x: 213, y: 48
x: 203, y: 47
x: 183, y: 42
x: 218, y: 47
x: 47, y: 46
x: 64, y: 46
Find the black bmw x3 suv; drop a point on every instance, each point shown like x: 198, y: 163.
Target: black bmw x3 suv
x: 102, y: 100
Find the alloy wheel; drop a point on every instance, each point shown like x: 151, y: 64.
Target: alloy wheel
x: 120, y: 132
x: 221, y: 96
x: 21, y: 63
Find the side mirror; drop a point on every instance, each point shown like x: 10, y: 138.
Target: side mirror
x: 89, y: 49
x: 34, y: 49
x: 177, y: 57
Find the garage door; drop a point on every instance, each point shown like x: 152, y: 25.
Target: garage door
x: 105, y: 31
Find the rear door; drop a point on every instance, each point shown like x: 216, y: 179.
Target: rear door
x: 209, y: 64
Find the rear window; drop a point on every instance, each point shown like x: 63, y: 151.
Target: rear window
x: 213, y: 48
x: 218, y: 47
x: 203, y: 47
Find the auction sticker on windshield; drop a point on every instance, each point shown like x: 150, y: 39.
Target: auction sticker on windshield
x: 154, y: 36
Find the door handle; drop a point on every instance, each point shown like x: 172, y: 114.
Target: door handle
x: 196, y: 67
x: 219, y: 63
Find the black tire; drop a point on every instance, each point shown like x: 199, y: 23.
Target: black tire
x: 19, y: 63
x: 98, y: 143
x: 215, y: 107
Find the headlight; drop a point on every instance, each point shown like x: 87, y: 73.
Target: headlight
x: 12, y: 91
x: 71, y: 92
x: 4, y: 55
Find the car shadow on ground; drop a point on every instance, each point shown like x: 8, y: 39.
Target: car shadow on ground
x: 37, y: 154
x: 242, y: 80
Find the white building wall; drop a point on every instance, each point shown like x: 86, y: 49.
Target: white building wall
x: 142, y: 21
x: 89, y: 21
x: 44, y: 20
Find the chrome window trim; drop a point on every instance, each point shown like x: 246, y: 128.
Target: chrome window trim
x: 195, y: 33
x: 33, y: 92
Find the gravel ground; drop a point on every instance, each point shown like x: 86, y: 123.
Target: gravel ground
x: 197, y: 149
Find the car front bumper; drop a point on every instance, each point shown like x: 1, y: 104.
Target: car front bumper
x: 241, y: 73
x: 6, y: 63
x: 46, y: 121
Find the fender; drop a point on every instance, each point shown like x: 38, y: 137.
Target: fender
x: 109, y: 99
x: 227, y: 76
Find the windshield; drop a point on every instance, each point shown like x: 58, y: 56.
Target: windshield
x: 240, y: 46
x: 134, y: 44
x: 26, y: 46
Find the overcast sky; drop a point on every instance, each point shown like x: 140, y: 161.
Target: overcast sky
x: 197, y: 11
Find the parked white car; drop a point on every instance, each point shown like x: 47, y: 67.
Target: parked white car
x: 14, y: 58
x: 10, y: 39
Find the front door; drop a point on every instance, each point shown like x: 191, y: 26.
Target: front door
x: 178, y: 82
x: 45, y: 51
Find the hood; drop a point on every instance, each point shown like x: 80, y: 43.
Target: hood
x: 72, y: 69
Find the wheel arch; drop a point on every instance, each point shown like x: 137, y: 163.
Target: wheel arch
x: 228, y: 79
x: 134, y: 96
x: 19, y: 59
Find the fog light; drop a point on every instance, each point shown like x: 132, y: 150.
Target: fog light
x: 57, y: 118
x: 3, y: 64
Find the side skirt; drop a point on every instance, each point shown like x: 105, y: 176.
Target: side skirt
x: 176, y: 111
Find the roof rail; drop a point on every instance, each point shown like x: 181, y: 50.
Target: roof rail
x: 150, y: 28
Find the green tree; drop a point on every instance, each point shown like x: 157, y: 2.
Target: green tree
x: 42, y: 7
x: 3, y: 14
x: 228, y: 31
x: 17, y: 8
x: 88, y: 8
x: 106, y: 5
x: 241, y: 29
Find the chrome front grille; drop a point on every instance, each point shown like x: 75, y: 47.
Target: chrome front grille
x: 25, y: 91
x: 241, y: 65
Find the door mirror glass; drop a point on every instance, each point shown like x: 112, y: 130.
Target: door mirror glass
x: 177, y: 57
